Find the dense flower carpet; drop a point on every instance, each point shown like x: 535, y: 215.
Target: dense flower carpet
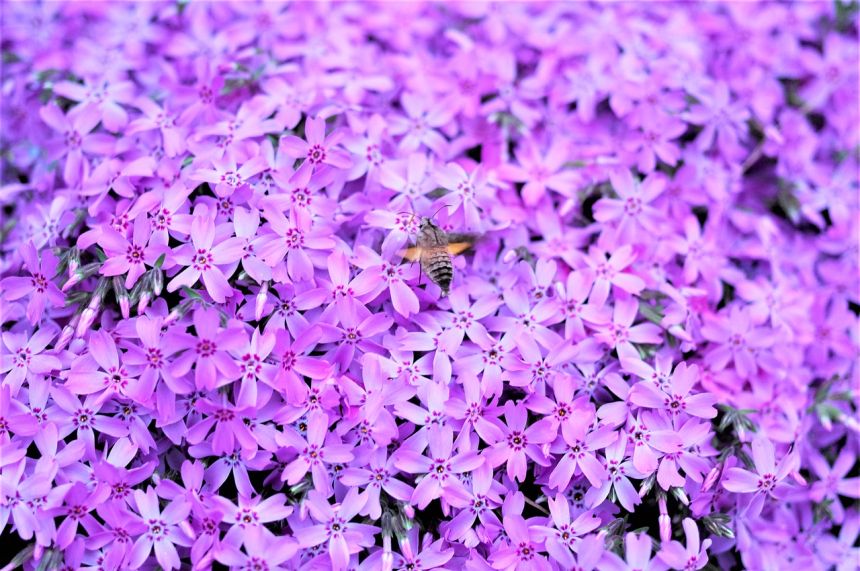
x: 467, y: 286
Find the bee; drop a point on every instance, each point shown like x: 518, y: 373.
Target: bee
x: 434, y: 248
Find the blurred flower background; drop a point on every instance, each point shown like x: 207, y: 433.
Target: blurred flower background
x: 214, y: 353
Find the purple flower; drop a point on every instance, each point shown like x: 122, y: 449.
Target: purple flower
x: 618, y: 474
x: 519, y: 442
x: 291, y: 240
x: 768, y: 475
x: 100, y: 370
x: 735, y: 340
x: 335, y: 527
x: 78, y: 503
x: 637, y: 555
x: 250, y: 513
x: 541, y: 172
x: 693, y: 556
x: 420, y: 124
x: 317, y: 149
x: 320, y: 448
x: 173, y: 135
x: 39, y: 286
x: 129, y: 258
x: 632, y: 210
x: 563, y: 537
x: 722, y: 120
x: 675, y: 398
x: 162, y: 530
x: 24, y: 357
x: 203, y: 259
x: 522, y: 549
x: 207, y: 351
x: 579, y: 446
x: 77, y: 138
x: 439, y: 471
x: 263, y: 550
x: 378, y: 476
x: 377, y: 274
x: 105, y: 96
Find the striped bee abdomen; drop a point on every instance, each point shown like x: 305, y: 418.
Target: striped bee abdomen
x: 436, y: 263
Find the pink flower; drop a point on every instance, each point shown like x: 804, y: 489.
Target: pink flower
x: 632, y: 210
x: 693, y: 556
x: 162, y: 530
x: 674, y: 399
x: 611, y: 272
x: 39, y: 285
x: 768, y: 475
x: 203, y: 259
x: 317, y: 150
x: 517, y: 443
x: 23, y: 356
x: 173, y: 136
x: 440, y: 471
x: 207, y: 350
x: 76, y: 128
x: 618, y: 472
x: 130, y: 258
x: 336, y: 528
x: 735, y: 340
x: 541, y: 172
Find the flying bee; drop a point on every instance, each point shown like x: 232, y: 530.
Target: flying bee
x: 434, y: 248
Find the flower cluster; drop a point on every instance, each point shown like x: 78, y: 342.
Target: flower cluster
x: 215, y: 353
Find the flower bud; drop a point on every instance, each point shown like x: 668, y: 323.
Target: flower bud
x: 74, y: 260
x: 89, y: 314
x: 121, y: 295
x: 262, y: 297
x: 387, y: 555
x: 665, y: 527
x: 66, y: 335
x: 681, y: 496
x: 566, y: 207
x: 712, y: 477
x: 145, y: 298
x: 80, y: 274
x: 157, y: 281
x: 647, y: 484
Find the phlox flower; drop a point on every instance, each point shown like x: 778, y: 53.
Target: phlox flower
x: 162, y: 530
x: 336, y: 528
x: 768, y: 475
x: 202, y: 258
x: 39, y: 287
x: 692, y: 556
x: 23, y: 356
x: 439, y: 470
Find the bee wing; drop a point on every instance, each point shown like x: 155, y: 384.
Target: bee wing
x: 412, y: 254
x: 455, y: 237
x: 455, y: 248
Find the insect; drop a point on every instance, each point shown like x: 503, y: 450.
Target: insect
x: 434, y: 248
